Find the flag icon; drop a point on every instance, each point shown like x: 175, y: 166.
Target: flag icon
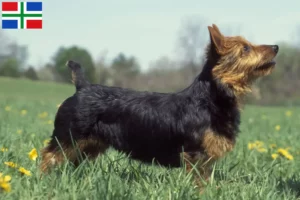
x: 22, y: 15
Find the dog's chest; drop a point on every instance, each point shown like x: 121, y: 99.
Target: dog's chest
x: 220, y: 137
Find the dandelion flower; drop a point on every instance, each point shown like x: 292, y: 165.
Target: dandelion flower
x: 285, y: 153
x: 33, y: 154
x: 19, y: 131
x: 255, y: 145
x: 7, y: 108
x: 277, y: 127
x: 259, y: 143
x: 11, y: 164
x: 5, y: 186
x: 262, y: 150
x: 46, y: 142
x: 50, y: 122
x: 4, y: 149
x: 251, y: 146
x: 23, y: 112
x: 282, y: 151
x: 288, y: 113
x: 4, y: 183
x: 274, y: 156
x: 24, y: 171
x: 5, y: 178
x: 289, y: 157
x: 43, y: 115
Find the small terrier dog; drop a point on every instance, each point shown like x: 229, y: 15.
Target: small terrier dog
x: 197, y: 125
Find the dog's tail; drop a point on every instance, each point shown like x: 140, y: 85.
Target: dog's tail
x: 78, y: 78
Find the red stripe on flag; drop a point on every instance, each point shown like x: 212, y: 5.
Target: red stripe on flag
x: 34, y: 24
x: 9, y: 6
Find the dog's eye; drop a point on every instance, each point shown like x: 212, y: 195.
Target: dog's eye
x: 246, y: 48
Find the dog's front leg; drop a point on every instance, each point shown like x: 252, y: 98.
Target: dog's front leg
x: 200, y: 165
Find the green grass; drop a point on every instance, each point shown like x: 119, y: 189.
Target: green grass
x: 242, y: 174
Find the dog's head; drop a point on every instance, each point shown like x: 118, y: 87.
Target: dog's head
x: 237, y: 62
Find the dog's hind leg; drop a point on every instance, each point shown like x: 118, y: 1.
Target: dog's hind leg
x: 55, y: 153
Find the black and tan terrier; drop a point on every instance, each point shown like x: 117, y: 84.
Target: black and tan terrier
x: 199, y: 124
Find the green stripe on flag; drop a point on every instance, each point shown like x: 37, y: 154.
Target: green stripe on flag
x: 22, y: 13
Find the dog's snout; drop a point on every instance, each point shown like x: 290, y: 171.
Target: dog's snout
x: 275, y: 48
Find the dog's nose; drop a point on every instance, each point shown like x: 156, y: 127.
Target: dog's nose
x: 275, y: 48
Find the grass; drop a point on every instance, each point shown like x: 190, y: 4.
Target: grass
x: 242, y: 174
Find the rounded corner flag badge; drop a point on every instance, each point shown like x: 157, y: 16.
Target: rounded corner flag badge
x: 22, y: 15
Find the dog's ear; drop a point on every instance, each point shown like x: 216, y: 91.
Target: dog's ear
x: 217, y: 29
x: 216, y: 38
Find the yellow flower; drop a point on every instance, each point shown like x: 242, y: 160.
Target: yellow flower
x: 289, y: 157
x: 11, y: 164
x: 251, y: 146
x: 255, y: 145
x: 259, y: 143
x: 277, y: 127
x: 4, y: 185
x: 58, y: 105
x: 24, y: 171
x: 4, y: 149
x: 33, y: 154
x: 43, y: 115
x: 46, y: 142
x: 7, y: 108
x: 288, y: 113
x: 285, y: 153
x: 282, y: 151
x: 5, y: 178
x: 23, y: 112
x: 274, y: 156
x: 19, y: 131
x: 273, y: 146
x: 50, y: 122
x: 262, y: 150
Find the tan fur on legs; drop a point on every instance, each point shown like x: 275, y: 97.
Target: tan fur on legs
x: 200, y: 162
x: 216, y: 145
x: 89, y: 148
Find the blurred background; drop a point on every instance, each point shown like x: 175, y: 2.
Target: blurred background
x: 151, y: 45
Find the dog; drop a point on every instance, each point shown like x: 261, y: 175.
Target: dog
x: 197, y: 125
